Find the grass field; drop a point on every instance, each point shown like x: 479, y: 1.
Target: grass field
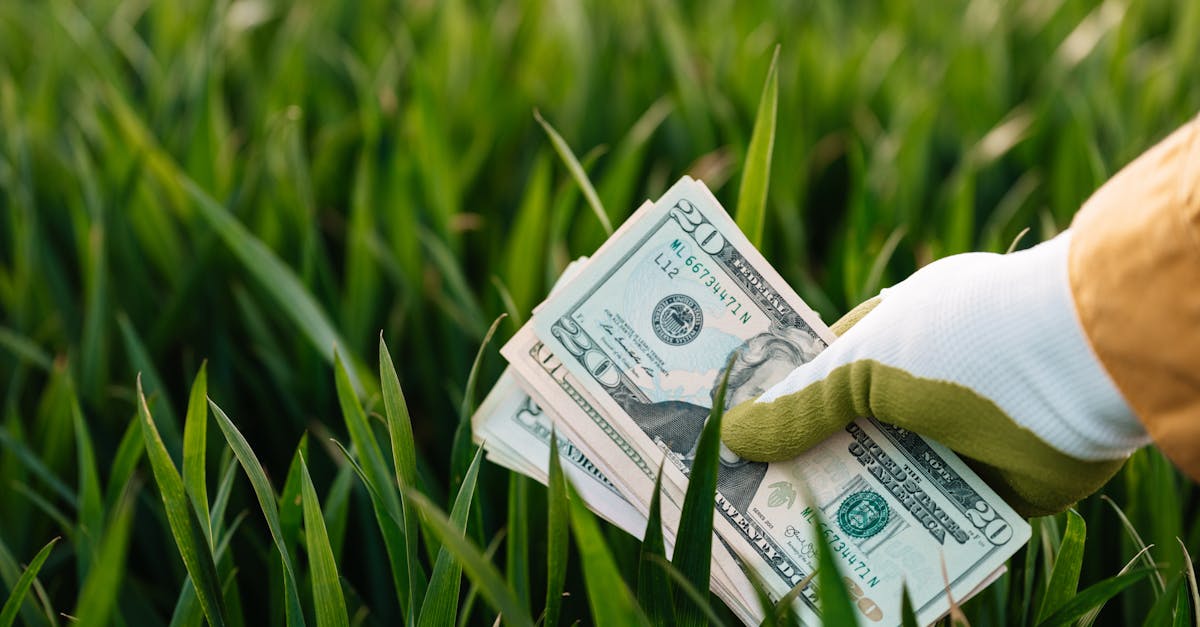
x: 216, y: 195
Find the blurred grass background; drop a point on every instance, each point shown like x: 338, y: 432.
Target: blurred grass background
x: 252, y: 182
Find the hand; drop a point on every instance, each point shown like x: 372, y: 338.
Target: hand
x: 981, y: 352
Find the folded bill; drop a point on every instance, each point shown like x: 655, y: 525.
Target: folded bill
x: 624, y: 358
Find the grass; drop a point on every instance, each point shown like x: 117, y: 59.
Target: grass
x: 238, y: 197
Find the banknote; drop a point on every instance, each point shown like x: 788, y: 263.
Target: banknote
x: 515, y: 433
x: 730, y: 581
x: 512, y: 424
x: 627, y: 354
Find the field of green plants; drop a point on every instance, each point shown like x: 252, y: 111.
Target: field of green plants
x: 246, y: 200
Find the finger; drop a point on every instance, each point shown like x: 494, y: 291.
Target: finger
x: 854, y: 315
x: 811, y: 403
x: 788, y: 425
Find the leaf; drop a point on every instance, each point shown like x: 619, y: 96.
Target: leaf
x: 1166, y: 604
x: 25, y: 349
x: 34, y: 463
x: 1138, y: 543
x: 462, y: 448
x: 15, y: 598
x: 474, y: 563
x: 784, y: 613
x: 558, y: 533
x: 32, y: 612
x: 140, y: 359
x: 441, y: 600
x: 1193, y: 588
x: 908, y: 617
x: 376, y: 467
x: 404, y: 461
x: 832, y: 596
x: 291, y: 498
x: 693, y: 544
x: 181, y: 517
x: 654, y: 587
x: 326, y: 586
x: 91, y: 508
x: 756, y: 174
x: 516, y: 558
x: 699, y: 599
x: 266, y: 502
x: 1064, y: 577
x: 195, y: 446
x: 1089, y: 618
x: 1093, y: 596
x: 129, y: 454
x: 291, y: 298
x: 577, y: 172
x: 609, y: 598
x: 98, y: 595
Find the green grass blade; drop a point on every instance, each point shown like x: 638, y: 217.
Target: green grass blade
x: 653, y: 585
x: 756, y: 173
x: 908, y: 616
x: 195, y: 446
x: 1073, y: 608
x: 266, y: 501
x: 376, y: 467
x: 326, y: 586
x: 1193, y: 588
x: 1064, y: 577
x: 441, y: 601
x: 390, y: 525
x: 26, y: 349
x: 291, y: 298
x: 140, y: 359
x: 784, y: 612
x: 404, y: 460
x: 129, y: 455
x: 693, y: 542
x: 17, y: 596
x: 34, y: 463
x: 610, y: 599
x: 558, y: 532
x: 1089, y: 618
x: 181, y: 517
x: 98, y: 596
x: 474, y: 563
x: 832, y: 596
x: 337, y: 508
x: 91, y: 506
x: 1164, y: 607
x: 291, y: 500
x: 462, y: 450
x: 32, y: 613
x: 698, y: 597
x: 577, y: 172
x: 516, y: 559
x: 1159, y: 583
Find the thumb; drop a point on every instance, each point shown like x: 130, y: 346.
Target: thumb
x: 817, y: 399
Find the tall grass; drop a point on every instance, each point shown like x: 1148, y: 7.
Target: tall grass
x: 266, y: 186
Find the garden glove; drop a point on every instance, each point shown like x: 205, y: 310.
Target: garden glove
x: 981, y: 352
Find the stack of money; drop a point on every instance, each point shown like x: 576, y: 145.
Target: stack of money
x: 623, y: 360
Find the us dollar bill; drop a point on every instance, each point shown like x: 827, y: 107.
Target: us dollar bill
x: 628, y: 353
x: 515, y: 432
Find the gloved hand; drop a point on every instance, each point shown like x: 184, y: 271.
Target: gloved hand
x: 981, y: 352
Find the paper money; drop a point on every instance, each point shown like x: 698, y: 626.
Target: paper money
x: 627, y: 356
x: 515, y: 432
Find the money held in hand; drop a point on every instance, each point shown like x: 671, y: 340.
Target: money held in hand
x: 626, y: 357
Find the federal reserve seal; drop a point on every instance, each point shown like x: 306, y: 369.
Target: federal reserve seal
x: 677, y: 319
x: 863, y: 514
